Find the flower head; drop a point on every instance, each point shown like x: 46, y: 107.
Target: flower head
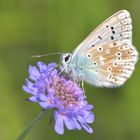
x: 52, y: 91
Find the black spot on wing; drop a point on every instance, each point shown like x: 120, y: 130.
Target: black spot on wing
x: 113, y: 32
x: 112, y: 37
x: 112, y: 28
x: 100, y: 37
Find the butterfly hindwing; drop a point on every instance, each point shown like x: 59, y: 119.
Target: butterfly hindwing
x: 113, y: 62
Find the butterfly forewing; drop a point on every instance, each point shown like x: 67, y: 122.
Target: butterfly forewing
x: 117, y: 27
x: 111, y: 51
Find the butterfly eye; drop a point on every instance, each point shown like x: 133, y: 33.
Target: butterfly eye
x: 67, y: 58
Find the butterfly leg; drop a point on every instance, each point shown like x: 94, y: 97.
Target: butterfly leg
x: 62, y: 69
x: 82, y: 84
x: 54, y: 67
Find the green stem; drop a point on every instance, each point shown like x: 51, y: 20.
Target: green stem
x: 32, y: 124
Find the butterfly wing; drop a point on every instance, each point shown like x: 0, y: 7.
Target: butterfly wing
x: 110, y: 52
x: 116, y: 27
x: 113, y: 63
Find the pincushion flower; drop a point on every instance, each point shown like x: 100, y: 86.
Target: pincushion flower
x: 53, y: 91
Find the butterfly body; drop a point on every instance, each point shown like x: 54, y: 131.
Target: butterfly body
x: 106, y: 57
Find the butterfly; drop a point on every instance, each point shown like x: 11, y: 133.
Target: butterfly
x: 106, y: 58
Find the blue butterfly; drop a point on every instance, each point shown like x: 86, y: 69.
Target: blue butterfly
x: 106, y: 58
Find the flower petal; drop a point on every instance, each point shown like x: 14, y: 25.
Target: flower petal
x: 81, y: 119
x: 33, y: 99
x: 28, y: 90
x: 89, y: 107
x: 59, y: 125
x: 42, y: 67
x: 43, y: 97
x: 44, y: 105
x: 51, y: 66
x: 90, y: 118
x: 50, y: 92
x: 69, y: 123
x: 87, y: 128
x: 28, y: 83
x: 77, y: 125
x: 34, y: 73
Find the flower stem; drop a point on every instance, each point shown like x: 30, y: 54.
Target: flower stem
x: 32, y: 124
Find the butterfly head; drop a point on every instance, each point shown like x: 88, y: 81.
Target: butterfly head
x: 65, y: 59
x: 65, y: 62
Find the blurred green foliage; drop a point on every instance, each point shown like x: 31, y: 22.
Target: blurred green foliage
x: 29, y: 27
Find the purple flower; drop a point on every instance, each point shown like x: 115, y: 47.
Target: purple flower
x: 52, y: 91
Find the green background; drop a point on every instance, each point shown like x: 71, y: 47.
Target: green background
x: 29, y: 27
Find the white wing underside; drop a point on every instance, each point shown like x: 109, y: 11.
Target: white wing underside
x: 110, y: 47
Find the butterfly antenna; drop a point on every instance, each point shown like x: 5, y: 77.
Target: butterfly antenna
x: 42, y: 55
